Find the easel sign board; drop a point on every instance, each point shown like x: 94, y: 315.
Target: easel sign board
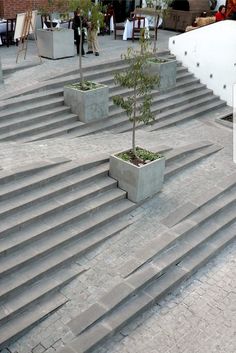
x: 33, y: 21
x: 20, y: 21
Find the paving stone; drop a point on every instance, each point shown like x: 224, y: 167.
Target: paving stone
x: 143, y: 276
x: 129, y: 267
x: 179, y: 214
x: 87, y: 318
x: 122, y: 315
x: 116, y: 295
x: 38, y: 349
x: 90, y: 338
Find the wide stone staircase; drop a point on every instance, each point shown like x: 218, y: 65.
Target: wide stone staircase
x: 195, y: 233
x: 41, y: 113
x: 53, y: 213
x: 48, y: 216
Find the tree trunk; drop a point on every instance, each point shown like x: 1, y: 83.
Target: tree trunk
x: 155, y: 34
x: 50, y: 15
x: 134, y: 124
x: 80, y: 55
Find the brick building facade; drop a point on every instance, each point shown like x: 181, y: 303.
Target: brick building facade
x: 9, y: 8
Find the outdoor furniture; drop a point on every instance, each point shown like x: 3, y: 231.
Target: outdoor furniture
x: 138, y: 26
x: 7, y: 29
x: 128, y: 28
x: 117, y: 27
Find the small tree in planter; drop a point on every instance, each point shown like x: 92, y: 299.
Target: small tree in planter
x: 88, y: 100
x: 138, y: 171
x: 164, y: 68
x: 55, y: 43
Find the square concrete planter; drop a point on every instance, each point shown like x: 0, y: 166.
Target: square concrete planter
x: 166, y: 70
x: 56, y: 44
x: 139, y: 182
x: 90, y: 105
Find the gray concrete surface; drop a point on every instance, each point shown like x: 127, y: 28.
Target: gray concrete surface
x: 198, y: 317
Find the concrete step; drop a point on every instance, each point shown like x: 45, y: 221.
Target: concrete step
x: 25, y: 275
x: 214, y: 217
x: 54, y: 190
x: 40, y: 178
x: 112, y: 64
x: 36, y: 128
x: 52, y: 215
x: 31, y: 108
x: 176, y: 95
x: 29, y: 170
x: 13, y: 103
x: 57, y: 132
x: 24, y: 321
x: 175, y: 154
x: 42, y: 130
x: 185, y: 111
x: 166, y: 261
x: 94, y: 75
x: 188, y: 208
x: 43, y: 116
x: 182, y: 81
x: 115, y: 319
x: 196, y: 112
x: 177, y: 166
x: 46, y: 208
x: 31, y: 295
x: 178, y: 91
x: 118, y: 121
x: 74, y: 243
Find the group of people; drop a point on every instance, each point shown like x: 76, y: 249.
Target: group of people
x: 80, y: 24
x: 227, y: 11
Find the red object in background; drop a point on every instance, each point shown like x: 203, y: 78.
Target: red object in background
x: 220, y: 16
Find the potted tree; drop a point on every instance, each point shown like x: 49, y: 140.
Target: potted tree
x: 138, y: 171
x: 89, y: 100
x: 53, y: 42
x: 164, y: 68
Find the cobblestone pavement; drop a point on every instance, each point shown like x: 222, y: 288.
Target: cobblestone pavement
x: 199, y: 316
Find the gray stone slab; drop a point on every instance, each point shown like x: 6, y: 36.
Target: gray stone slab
x: 67, y: 349
x: 159, y: 288
x: 87, y: 318
x: 192, y: 262
x: 147, y: 252
x: 207, y: 196
x: 155, y: 246
x: 228, y: 181
x: 115, y: 296
x: 179, y: 214
x: 39, y: 348
x: 90, y: 339
x: 124, y: 314
x: 221, y: 239
x: 129, y: 267
x: 184, y: 226
x: 177, y: 152
x: 143, y: 276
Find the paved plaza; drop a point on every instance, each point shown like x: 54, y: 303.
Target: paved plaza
x: 198, y: 316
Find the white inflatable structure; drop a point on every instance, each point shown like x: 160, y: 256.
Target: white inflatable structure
x: 209, y: 53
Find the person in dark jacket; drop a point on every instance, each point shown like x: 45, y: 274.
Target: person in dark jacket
x: 78, y: 34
